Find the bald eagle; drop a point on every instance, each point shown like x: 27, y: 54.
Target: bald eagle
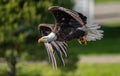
x: 69, y: 24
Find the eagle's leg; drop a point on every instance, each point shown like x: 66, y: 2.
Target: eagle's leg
x: 82, y: 40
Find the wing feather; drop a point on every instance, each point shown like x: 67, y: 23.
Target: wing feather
x: 63, y: 15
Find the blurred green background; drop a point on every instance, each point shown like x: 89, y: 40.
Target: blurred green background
x: 19, y: 20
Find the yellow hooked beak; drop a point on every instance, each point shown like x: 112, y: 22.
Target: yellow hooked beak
x: 40, y: 40
x: 83, y: 40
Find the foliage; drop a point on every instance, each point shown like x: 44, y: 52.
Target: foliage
x: 19, y: 21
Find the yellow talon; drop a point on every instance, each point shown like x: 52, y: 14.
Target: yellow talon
x: 85, y: 39
x: 40, y: 40
x: 79, y: 41
x: 82, y: 40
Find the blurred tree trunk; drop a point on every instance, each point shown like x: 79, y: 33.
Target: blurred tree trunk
x: 12, y: 64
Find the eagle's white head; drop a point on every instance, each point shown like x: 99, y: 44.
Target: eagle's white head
x: 48, y: 38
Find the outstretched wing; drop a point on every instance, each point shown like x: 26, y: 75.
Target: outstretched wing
x: 68, y: 21
x: 68, y: 17
x: 59, y: 47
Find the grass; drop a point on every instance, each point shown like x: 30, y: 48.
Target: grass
x: 97, y: 70
x: 3, y: 69
x: 83, y: 69
x: 107, y: 1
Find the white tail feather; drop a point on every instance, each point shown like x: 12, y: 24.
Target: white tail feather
x: 93, y: 32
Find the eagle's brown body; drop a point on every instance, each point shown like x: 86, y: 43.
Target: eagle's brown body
x: 68, y: 25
